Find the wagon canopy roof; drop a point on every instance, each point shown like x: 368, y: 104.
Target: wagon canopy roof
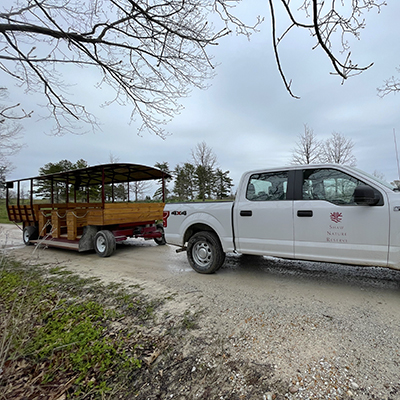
x: 113, y: 173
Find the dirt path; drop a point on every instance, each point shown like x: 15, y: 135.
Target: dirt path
x: 270, y: 328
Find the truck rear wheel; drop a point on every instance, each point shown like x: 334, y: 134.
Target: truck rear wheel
x: 104, y: 243
x: 204, y: 252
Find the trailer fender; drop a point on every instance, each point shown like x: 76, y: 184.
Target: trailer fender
x: 87, y: 239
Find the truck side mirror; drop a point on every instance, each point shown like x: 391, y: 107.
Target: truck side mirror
x: 364, y: 195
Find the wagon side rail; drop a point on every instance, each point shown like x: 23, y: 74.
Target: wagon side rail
x: 23, y: 213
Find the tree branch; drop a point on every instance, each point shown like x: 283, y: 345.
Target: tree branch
x: 275, y: 43
x: 150, y: 52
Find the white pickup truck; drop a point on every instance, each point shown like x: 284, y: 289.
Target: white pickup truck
x: 330, y: 213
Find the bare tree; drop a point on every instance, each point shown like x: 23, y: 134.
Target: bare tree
x: 308, y: 149
x: 203, y: 156
x: 10, y: 134
x: 328, y: 23
x: 379, y: 175
x: 9, y: 112
x: 150, y: 52
x: 139, y: 188
x: 391, y: 85
x: 339, y: 150
x: 113, y: 159
x: 205, y: 162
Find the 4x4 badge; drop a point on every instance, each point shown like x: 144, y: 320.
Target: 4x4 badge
x: 178, y: 213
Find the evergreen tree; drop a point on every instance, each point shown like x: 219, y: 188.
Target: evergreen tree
x: 163, y: 166
x: 223, y: 184
x: 59, y: 189
x: 184, y: 186
x: 201, y: 179
x: 117, y: 193
x: 204, y: 179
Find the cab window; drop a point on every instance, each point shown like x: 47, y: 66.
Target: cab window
x: 330, y: 185
x: 267, y: 186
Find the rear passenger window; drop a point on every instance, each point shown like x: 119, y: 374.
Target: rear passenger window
x: 267, y: 187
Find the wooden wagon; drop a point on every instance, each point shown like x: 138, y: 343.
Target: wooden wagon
x: 83, y: 212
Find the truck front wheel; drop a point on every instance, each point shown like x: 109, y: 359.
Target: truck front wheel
x: 104, y: 243
x: 204, y: 252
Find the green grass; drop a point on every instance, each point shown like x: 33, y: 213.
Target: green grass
x: 189, y: 321
x: 3, y: 212
x: 56, y: 329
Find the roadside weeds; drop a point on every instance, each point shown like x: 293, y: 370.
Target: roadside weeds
x: 64, y: 336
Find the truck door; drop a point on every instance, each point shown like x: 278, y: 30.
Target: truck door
x: 330, y: 226
x: 263, y: 215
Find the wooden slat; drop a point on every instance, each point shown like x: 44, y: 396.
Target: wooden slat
x: 76, y: 218
x: 43, y: 219
x: 113, y: 213
x: 120, y: 213
x: 22, y: 213
x: 95, y: 217
x: 58, y: 221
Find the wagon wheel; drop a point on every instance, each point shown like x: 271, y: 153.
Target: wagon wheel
x: 29, y: 233
x: 160, y: 241
x: 104, y: 243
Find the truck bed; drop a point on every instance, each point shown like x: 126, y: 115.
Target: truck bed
x: 180, y: 216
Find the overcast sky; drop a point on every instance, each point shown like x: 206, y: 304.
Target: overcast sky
x: 246, y: 116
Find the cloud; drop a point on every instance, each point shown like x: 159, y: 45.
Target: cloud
x: 246, y: 116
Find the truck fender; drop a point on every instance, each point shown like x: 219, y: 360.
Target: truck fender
x: 206, y: 222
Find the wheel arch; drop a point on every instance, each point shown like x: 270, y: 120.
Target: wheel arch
x: 200, y: 227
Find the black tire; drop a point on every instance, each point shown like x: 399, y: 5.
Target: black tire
x: 29, y: 233
x: 160, y: 241
x: 204, y: 252
x: 104, y: 243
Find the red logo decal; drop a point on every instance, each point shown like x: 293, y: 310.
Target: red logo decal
x: 336, y: 217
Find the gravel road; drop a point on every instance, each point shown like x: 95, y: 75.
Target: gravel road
x: 267, y: 328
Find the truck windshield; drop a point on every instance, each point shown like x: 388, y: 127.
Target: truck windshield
x: 392, y: 186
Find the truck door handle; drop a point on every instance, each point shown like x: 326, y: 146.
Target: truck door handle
x: 304, y: 213
x: 246, y: 213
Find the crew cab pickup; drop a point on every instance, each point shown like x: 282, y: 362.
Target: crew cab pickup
x: 331, y: 213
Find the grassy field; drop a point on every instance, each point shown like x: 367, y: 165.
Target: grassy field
x: 3, y: 212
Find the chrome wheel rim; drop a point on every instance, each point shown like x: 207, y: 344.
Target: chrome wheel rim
x: 202, y: 254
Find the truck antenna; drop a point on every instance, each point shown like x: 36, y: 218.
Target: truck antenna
x: 397, y: 152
